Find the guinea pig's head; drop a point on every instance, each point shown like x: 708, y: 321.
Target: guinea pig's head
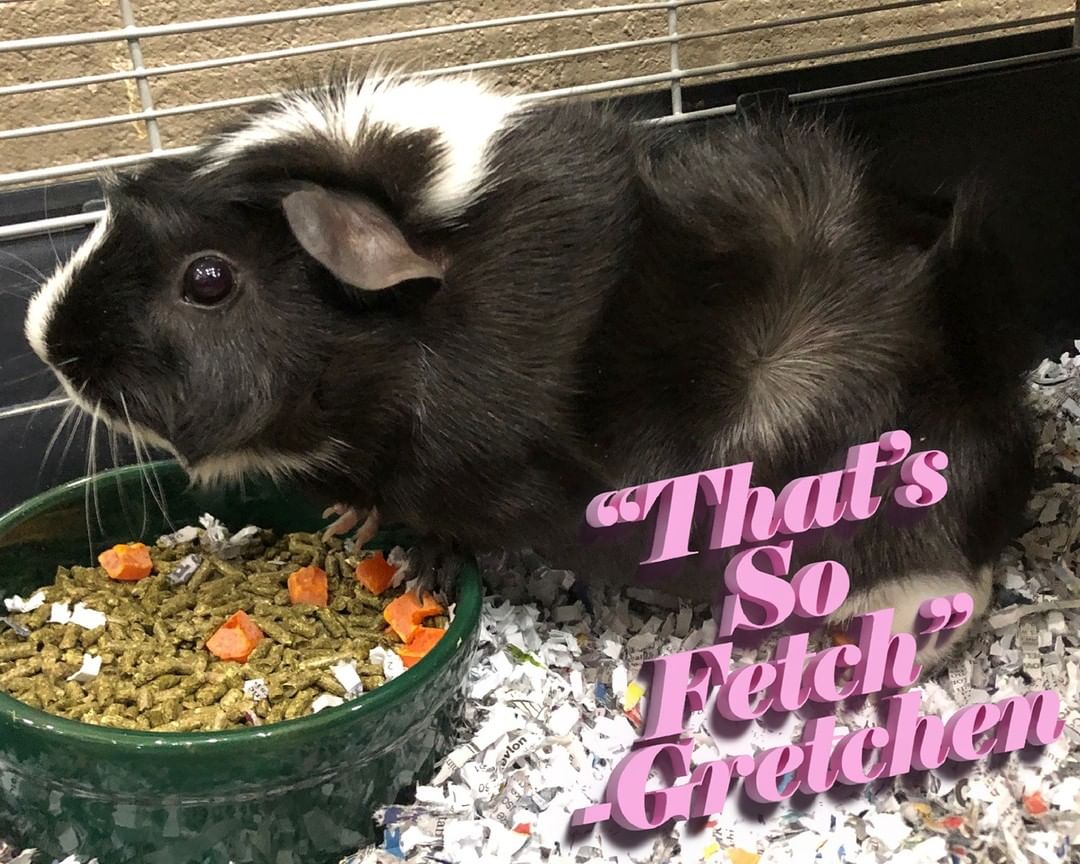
x: 242, y: 306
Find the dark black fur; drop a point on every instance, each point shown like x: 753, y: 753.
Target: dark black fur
x: 624, y: 304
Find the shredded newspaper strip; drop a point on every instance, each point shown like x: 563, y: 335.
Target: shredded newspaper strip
x: 553, y: 702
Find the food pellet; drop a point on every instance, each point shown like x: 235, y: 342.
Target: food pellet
x: 157, y: 672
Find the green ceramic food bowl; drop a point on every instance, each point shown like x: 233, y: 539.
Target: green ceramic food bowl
x: 298, y: 792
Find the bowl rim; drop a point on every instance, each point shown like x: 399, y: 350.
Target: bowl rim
x: 13, y: 713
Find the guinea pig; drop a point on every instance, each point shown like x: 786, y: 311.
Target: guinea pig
x: 470, y: 312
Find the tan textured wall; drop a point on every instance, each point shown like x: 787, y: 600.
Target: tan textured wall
x: 23, y: 18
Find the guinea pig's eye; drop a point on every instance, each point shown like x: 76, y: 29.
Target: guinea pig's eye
x: 208, y: 280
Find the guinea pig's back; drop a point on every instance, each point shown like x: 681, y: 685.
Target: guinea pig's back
x: 780, y: 325
x: 783, y: 309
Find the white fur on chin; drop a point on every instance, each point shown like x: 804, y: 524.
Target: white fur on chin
x: 234, y: 466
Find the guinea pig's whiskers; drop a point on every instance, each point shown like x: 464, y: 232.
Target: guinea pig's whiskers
x: 86, y: 506
x: 20, y: 260
x: 8, y: 382
x: 79, y: 415
x: 69, y: 412
x: 157, y: 492
x: 17, y: 290
x: 93, y: 463
x: 121, y: 492
x: 48, y: 231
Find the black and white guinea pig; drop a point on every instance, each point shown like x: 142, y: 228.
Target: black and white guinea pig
x: 470, y: 313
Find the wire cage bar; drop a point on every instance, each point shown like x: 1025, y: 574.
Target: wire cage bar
x: 677, y: 28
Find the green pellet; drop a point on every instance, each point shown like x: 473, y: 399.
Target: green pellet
x: 300, y: 681
x: 276, y: 632
x: 22, y: 670
x: 262, y: 589
x: 330, y: 684
x: 232, y: 698
x: 274, y: 656
x: 176, y: 604
x: 148, y: 673
x: 300, y: 704
x: 89, y: 576
x: 218, y: 589
x: 229, y: 571
x: 299, y: 543
x: 323, y: 660
x: 165, y: 682
x: 261, y: 650
x: 210, y: 694
x: 90, y: 638
x: 364, y: 601
x: 201, y: 574
x: 262, y: 609
x: 330, y: 622
x: 18, y: 652
x: 301, y: 627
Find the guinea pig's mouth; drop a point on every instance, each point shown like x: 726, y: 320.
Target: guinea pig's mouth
x: 114, y: 412
x: 207, y: 469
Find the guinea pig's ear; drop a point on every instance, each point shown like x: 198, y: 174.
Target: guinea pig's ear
x: 354, y: 239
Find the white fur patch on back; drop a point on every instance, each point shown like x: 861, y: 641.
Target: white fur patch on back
x: 466, y: 114
x: 44, y: 302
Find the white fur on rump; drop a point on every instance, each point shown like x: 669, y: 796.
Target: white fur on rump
x: 904, y: 596
x: 465, y: 112
x: 41, y: 307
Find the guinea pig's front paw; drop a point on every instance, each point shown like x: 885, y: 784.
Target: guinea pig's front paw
x: 349, y: 518
x: 346, y: 521
x: 430, y: 555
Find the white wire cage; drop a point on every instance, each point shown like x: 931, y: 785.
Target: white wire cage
x: 143, y: 86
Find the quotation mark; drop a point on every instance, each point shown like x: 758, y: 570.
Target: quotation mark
x: 945, y: 613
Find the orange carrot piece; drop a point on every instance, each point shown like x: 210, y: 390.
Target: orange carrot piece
x: 230, y: 643
x: 399, y: 615
x: 375, y: 573
x: 407, y: 612
x: 127, y: 562
x: 422, y: 641
x: 429, y: 609
x: 1033, y: 803
x: 309, y: 585
x: 251, y: 629
x: 235, y: 639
